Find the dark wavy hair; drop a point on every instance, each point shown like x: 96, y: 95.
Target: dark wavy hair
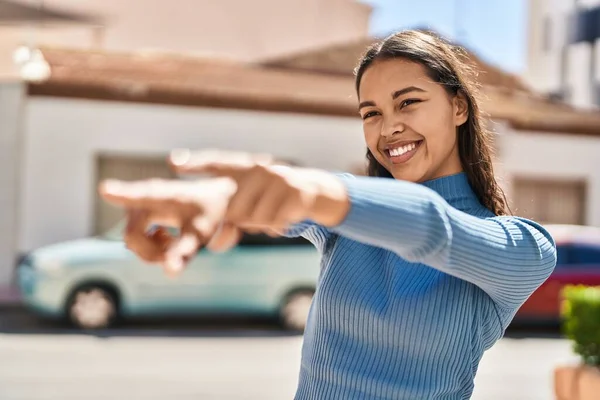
x: 448, y: 65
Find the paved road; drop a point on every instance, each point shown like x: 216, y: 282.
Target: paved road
x: 213, y: 360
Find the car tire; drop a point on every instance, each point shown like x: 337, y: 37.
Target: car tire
x: 294, y: 310
x: 92, y: 307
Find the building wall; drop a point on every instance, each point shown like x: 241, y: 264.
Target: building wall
x: 552, y: 60
x: 11, y: 106
x: 543, y: 55
x: 64, y: 136
x: 556, y: 157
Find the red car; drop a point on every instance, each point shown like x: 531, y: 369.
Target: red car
x: 578, y: 253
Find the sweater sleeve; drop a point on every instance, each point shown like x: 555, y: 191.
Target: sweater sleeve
x: 314, y: 233
x: 507, y: 257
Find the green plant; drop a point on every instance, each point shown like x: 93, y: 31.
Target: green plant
x: 581, y: 321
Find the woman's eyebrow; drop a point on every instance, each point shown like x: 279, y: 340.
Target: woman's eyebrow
x: 367, y: 103
x: 395, y: 95
x: 406, y: 90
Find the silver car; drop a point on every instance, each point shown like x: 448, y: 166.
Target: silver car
x: 94, y: 282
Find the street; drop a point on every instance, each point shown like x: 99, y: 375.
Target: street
x: 215, y: 360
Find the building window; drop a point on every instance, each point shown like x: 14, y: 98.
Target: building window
x: 547, y: 34
x: 586, y: 26
x: 549, y: 201
x: 127, y: 168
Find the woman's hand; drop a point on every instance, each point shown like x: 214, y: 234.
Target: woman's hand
x: 197, y: 208
x: 269, y: 195
x: 250, y: 193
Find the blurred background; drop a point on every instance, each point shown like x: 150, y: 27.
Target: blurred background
x: 96, y: 89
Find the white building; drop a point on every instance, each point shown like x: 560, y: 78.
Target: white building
x: 107, y: 114
x: 564, y: 50
x: 546, y: 151
x: 117, y: 115
x: 43, y: 138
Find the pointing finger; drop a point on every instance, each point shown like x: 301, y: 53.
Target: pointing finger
x: 131, y: 194
x: 215, y: 162
x: 168, y: 201
x: 141, y: 193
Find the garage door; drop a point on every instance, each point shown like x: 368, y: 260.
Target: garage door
x: 549, y: 201
x: 126, y: 168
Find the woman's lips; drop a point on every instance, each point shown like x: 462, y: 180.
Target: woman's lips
x: 403, y: 153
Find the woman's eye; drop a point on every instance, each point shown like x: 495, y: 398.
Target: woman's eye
x: 408, y: 102
x: 370, y: 114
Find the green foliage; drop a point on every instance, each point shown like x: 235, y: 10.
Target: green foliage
x: 581, y: 321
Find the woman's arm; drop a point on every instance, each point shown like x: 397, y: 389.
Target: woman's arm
x: 508, y: 257
x: 317, y: 234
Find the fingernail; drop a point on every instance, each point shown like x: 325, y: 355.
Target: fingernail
x: 180, y: 156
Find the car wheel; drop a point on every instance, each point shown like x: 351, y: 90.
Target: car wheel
x: 92, y: 307
x: 294, y: 310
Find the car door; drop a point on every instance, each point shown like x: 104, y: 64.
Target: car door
x: 196, y: 285
x: 189, y: 291
x: 249, y: 278
x: 543, y: 304
x: 149, y: 291
x: 583, y: 268
x: 577, y: 264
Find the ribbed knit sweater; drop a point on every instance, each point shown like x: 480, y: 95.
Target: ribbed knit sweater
x: 415, y: 284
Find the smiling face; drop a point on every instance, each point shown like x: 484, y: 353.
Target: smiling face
x: 410, y: 122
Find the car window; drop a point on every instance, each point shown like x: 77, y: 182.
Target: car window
x: 247, y: 239
x: 562, y: 255
x: 117, y: 232
x: 265, y: 240
x: 577, y: 255
x: 585, y: 254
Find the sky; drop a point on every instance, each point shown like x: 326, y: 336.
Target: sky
x: 493, y: 29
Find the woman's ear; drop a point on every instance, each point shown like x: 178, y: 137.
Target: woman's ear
x: 461, y: 109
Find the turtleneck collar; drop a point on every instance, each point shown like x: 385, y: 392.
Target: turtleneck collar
x: 455, y: 189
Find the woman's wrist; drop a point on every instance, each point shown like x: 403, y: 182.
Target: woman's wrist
x: 332, y: 204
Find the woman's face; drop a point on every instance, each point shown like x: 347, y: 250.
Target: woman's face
x: 409, y: 121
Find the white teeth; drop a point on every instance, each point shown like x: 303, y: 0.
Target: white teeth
x: 402, y: 150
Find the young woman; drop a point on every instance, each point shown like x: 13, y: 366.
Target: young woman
x: 421, y: 273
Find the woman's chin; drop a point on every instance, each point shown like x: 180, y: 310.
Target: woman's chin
x: 411, y: 174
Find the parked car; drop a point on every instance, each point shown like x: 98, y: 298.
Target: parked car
x: 94, y: 282
x: 578, y: 262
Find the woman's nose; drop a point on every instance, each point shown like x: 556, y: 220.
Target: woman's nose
x: 392, y: 129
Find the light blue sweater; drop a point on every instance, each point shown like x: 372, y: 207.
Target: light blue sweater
x: 416, y: 283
